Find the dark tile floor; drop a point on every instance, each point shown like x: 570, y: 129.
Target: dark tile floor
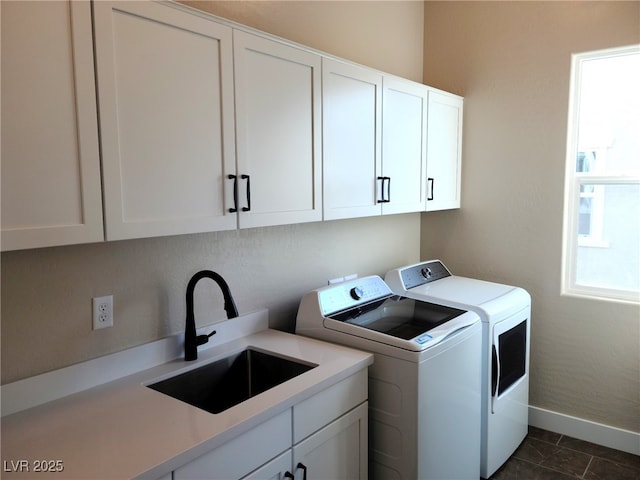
x: 546, y: 455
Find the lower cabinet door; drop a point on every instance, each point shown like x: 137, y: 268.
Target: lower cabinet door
x: 276, y: 469
x: 243, y: 454
x: 337, y: 451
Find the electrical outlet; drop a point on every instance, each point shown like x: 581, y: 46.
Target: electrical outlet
x: 102, y: 312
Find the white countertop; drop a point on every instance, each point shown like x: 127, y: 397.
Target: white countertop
x: 122, y: 429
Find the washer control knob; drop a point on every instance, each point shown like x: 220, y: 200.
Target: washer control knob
x: 356, y: 293
x: 426, y: 272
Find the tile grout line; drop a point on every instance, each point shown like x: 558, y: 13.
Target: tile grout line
x: 587, y: 467
x: 557, y: 443
x: 591, y: 457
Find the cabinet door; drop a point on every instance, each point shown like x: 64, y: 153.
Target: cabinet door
x: 50, y: 163
x: 274, y: 470
x: 245, y: 453
x: 351, y: 100
x: 444, y: 151
x: 277, y: 90
x: 338, y: 451
x: 404, y: 138
x: 165, y: 87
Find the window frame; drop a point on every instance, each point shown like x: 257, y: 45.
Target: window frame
x: 571, y: 240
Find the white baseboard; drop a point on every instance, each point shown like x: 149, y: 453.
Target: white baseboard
x: 600, y: 434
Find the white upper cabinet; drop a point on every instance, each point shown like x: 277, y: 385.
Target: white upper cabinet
x: 352, y: 163
x: 444, y: 151
x: 165, y: 90
x: 204, y: 125
x: 404, y: 136
x: 50, y: 162
x: 374, y: 140
x: 278, y: 114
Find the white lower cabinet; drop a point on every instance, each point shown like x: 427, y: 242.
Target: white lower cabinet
x: 276, y: 469
x: 323, y: 437
x: 336, y: 451
x: 242, y: 454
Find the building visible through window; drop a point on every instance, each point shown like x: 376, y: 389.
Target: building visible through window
x: 602, y: 198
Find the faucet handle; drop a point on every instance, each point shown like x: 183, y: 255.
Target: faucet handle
x: 202, y: 339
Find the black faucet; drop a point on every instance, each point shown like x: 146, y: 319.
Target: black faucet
x: 191, y: 340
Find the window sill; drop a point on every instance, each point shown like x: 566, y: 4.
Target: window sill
x: 617, y: 296
x: 592, y: 242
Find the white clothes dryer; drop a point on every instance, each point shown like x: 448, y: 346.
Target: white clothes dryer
x: 424, y: 384
x: 505, y: 313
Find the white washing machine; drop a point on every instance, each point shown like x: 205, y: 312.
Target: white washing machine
x: 505, y: 312
x: 424, y: 384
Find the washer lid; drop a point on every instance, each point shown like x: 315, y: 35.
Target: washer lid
x: 367, y: 308
x: 400, y: 317
x: 409, y: 324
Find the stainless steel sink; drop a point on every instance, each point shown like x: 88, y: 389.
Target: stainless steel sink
x: 221, y: 385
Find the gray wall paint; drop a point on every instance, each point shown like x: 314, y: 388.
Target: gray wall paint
x: 46, y: 293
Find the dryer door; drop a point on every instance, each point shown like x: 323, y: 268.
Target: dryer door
x: 509, y: 357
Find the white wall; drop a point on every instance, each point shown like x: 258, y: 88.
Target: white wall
x: 46, y: 293
x: 511, y: 61
x: 381, y: 34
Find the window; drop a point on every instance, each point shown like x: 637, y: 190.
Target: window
x: 601, y: 256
